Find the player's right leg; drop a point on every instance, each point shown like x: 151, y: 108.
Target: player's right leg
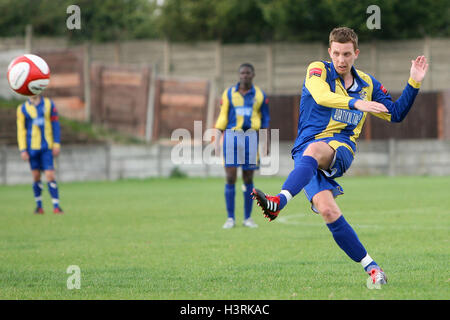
x: 345, y: 236
x: 230, y: 195
x: 316, y: 155
x: 37, y: 190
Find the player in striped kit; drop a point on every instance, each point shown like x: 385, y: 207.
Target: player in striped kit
x: 244, y: 109
x: 38, y: 137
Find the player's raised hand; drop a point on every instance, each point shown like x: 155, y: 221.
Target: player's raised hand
x: 419, y: 68
x: 370, y: 106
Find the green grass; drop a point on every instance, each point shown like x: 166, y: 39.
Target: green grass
x: 162, y: 239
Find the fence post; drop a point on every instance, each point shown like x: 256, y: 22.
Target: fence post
x: 392, y: 157
x: 269, y: 62
x: 427, y: 53
x: 28, y: 38
x: 322, y: 52
x: 166, y: 57
x: 151, y: 105
x: 108, y: 161
x: 87, y: 81
x: 4, y: 164
x: 159, y: 159
x: 218, y: 78
x: 373, y: 58
x: 117, y: 52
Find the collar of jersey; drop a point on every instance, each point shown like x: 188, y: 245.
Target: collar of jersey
x: 335, y: 75
x: 252, y: 90
x: 40, y: 102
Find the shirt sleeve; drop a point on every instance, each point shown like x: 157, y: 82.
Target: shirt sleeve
x: 265, y: 114
x: 320, y: 90
x: 56, y: 128
x: 222, y: 120
x: 21, y: 130
x: 398, y: 109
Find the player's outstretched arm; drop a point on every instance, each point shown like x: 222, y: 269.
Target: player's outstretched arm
x: 400, y: 108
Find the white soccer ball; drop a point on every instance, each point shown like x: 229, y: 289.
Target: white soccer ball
x: 28, y: 75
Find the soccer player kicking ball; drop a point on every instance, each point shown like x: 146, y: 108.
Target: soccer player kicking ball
x: 335, y: 101
x: 38, y: 137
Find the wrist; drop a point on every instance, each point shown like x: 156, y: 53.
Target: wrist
x: 413, y: 83
x: 351, y: 104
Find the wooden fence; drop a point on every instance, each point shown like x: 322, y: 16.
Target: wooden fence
x: 67, y: 81
x: 135, y: 100
x: 119, y: 97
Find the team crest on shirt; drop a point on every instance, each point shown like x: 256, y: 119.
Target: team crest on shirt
x: 363, y: 94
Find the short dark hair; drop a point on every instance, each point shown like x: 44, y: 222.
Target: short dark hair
x: 343, y: 35
x: 248, y: 65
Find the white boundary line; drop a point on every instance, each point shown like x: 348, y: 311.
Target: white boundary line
x: 295, y: 219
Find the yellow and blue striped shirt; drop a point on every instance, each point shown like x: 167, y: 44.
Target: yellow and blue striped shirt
x: 327, y: 108
x: 38, y: 126
x: 250, y: 111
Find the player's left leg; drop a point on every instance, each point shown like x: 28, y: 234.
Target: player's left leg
x: 53, y: 190
x: 48, y: 166
x: 344, y: 235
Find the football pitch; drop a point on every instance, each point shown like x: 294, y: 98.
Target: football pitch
x: 163, y: 239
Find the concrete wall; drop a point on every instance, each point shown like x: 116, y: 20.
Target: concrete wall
x: 113, y: 162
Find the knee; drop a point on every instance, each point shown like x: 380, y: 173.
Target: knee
x: 231, y: 180
x: 329, y: 213
x: 313, y: 150
x: 247, y: 178
x: 50, y: 175
x: 36, y: 175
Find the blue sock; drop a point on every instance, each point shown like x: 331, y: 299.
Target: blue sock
x: 229, y: 199
x: 53, y: 190
x: 371, y: 265
x: 299, y: 178
x: 37, y: 190
x: 347, y: 240
x: 248, y: 201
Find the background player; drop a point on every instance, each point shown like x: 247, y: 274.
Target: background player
x: 38, y: 137
x: 334, y: 104
x: 244, y: 110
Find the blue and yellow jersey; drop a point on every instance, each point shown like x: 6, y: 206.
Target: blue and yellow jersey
x: 37, y: 126
x: 327, y: 108
x: 250, y: 111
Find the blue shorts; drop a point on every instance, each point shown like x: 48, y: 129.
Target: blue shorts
x: 241, y: 149
x: 41, y: 159
x: 324, y: 179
